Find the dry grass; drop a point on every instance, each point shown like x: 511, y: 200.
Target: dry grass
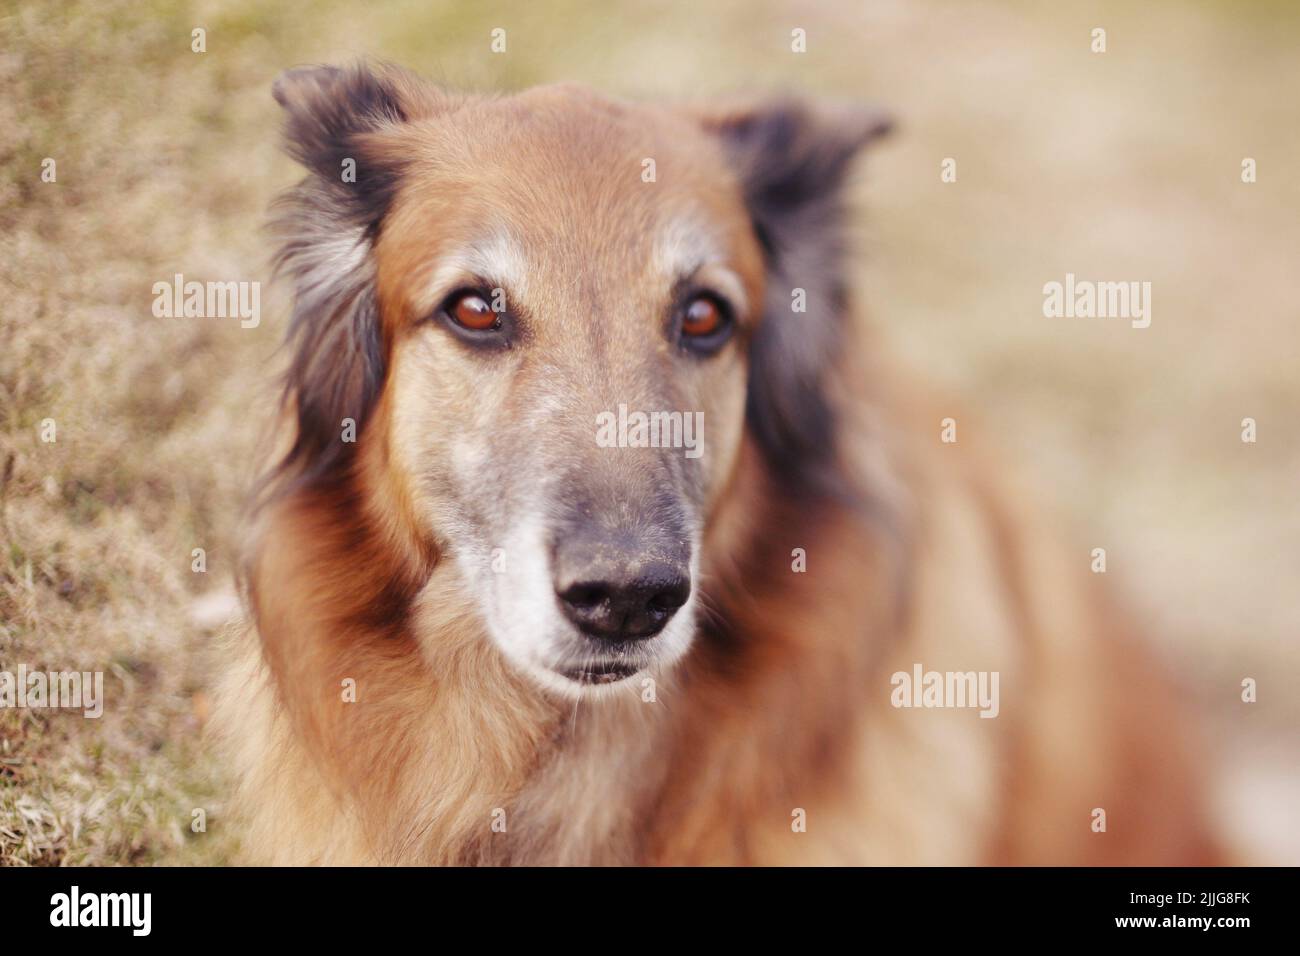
x: 1120, y: 166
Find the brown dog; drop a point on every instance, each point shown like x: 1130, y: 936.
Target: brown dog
x: 638, y: 553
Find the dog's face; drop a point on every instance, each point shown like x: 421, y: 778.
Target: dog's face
x: 542, y: 294
x: 560, y: 301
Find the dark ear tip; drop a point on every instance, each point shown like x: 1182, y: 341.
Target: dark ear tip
x: 880, y: 124
x: 851, y: 124
x: 298, y: 78
x: 863, y: 124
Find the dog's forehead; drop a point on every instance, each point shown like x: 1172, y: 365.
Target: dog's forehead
x: 567, y: 178
x: 574, y: 134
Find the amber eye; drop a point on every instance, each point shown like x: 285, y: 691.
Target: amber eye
x: 703, y: 317
x: 706, y: 324
x: 471, y: 310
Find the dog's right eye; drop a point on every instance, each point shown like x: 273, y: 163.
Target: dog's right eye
x: 705, y: 323
x: 471, y: 311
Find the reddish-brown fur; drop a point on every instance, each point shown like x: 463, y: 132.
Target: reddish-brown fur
x: 783, y: 703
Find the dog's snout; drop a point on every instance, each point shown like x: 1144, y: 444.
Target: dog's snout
x: 618, y: 597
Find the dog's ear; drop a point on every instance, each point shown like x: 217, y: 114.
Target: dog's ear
x: 339, y: 124
x: 793, y: 159
x: 334, y: 121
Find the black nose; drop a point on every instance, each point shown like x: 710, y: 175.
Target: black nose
x: 621, y: 600
x: 628, y: 607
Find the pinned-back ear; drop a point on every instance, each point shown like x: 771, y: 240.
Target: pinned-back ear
x: 335, y: 126
x: 793, y: 160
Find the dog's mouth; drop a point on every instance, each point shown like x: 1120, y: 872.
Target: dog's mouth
x: 610, y: 673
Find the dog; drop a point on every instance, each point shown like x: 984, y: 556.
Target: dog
x: 508, y: 606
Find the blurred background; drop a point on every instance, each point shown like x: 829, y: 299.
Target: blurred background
x: 1123, y: 165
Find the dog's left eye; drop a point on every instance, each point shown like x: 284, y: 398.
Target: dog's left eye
x: 705, y: 323
x: 471, y: 311
x: 469, y: 314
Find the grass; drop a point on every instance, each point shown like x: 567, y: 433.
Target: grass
x: 1122, y: 166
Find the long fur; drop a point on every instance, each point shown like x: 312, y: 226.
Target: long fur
x: 781, y: 711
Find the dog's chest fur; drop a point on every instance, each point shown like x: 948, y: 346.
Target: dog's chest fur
x: 584, y: 804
